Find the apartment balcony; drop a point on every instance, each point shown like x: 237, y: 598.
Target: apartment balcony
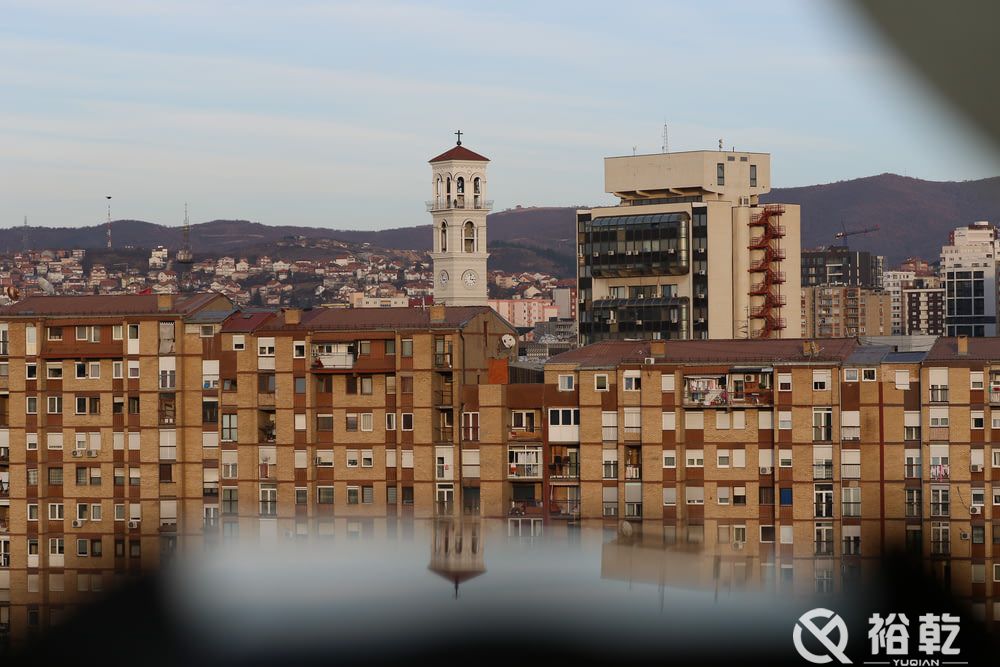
x: 823, y: 548
x: 525, y: 471
x: 442, y: 360
x: 265, y: 399
x: 564, y: 509
x: 995, y: 395
x: 532, y: 507
x: 444, y: 434
x: 4, y: 526
x: 525, y: 435
x: 443, y: 397
x: 940, y: 472
x: 707, y: 398
x: 633, y: 472
x: 333, y: 361
x: 823, y: 470
x: 267, y: 433
x: 563, y: 470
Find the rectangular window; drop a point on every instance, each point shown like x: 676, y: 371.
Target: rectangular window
x: 667, y: 382
x: 720, y: 173
x: 694, y: 495
x: 821, y: 380
x: 390, y: 421
x: 868, y: 374
x: 600, y: 382
x: 694, y: 458
x: 407, y: 421
x: 784, y: 381
x: 850, y: 375
x: 753, y: 176
x: 566, y: 383
x: 632, y: 381
x: 903, y: 380
x: 406, y: 347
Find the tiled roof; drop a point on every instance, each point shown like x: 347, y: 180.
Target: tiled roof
x: 347, y: 319
x: 980, y: 349
x: 247, y: 320
x: 97, y: 305
x: 611, y: 353
x: 459, y: 153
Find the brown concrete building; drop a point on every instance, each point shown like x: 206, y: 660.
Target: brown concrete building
x: 839, y: 311
x: 133, y: 426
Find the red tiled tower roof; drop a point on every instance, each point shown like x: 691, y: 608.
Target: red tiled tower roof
x: 459, y: 152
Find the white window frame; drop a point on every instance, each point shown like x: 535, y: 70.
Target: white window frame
x: 567, y: 382
x: 597, y: 384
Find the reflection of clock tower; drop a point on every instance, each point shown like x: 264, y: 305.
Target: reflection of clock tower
x: 459, y: 208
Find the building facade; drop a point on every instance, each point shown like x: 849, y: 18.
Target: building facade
x: 839, y: 265
x: 458, y: 209
x: 836, y: 311
x: 689, y: 253
x: 923, y: 311
x: 969, y: 271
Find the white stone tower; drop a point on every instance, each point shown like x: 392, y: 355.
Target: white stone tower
x: 459, y: 207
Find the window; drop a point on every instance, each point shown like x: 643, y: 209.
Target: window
x: 722, y: 495
x: 753, y: 176
x: 53, y: 370
x: 324, y: 423
x: 56, y: 512
x: 785, y: 420
x: 694, y: 458
x: 352, y: 458
x: 367, y: 458
x: 976, y: 380
x: 669, y: 421
x: 669, y: 496
x: 324, y: 458
x: 117, y: 332
x: 632, y: 381
x: 720, y: 173
x: 117, y: 370
x: 903, y: 380
x: 407, y: 421
x: 784, y: 381
x: 694, y: 495
x: 31, y: 405
x: 406, y: 347
x: 850, y: 375
x: 390, y: 421
x: 298, y: 349
x: 239, y: 343
x: 821, y: 380
x: 822, y: 424
x: 977, y: 418
x: 564, y: 417
x: 939, y: 416
x: 767, y: 533
x: 55, y: 333
x: 522, y: 420
x: 324, y: 495
x: 470, y: 426
x: 784, y: 458
x: 133, y: 369
x: 722, y: 420
x: 739, y: 495
x: 667, y: 382
x: 722, y: 458
x: 600, y: 382
x: 868, y: 375
x: 367, y: 423
x: 229, y: 427
x: 566, y: 383
x: 352, y: 422
x: 265, y: 347
x: 670, y: 459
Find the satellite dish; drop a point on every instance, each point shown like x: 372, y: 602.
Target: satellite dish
x: 46, y: 286
x: 508, y: 341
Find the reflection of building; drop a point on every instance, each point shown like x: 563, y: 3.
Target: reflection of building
x: 689, y: 253
x: 457, y: 550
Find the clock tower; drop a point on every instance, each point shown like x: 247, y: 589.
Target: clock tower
x: 459, y: 207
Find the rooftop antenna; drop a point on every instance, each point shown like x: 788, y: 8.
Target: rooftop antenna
x: 24, y: 235
x: 184, y: 255
x: 666, y: 142
x: 720, y: 144
x: 633, y: 150
x: 108, y: 197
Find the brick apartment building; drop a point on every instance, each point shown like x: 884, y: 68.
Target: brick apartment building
x: 133, y: 426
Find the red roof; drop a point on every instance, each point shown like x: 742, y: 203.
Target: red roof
x: 459, y: 152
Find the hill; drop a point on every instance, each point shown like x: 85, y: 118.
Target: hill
x: 914, y: 216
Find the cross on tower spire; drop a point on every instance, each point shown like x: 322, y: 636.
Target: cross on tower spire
x: 459, y: 135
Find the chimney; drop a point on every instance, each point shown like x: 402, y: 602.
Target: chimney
x: 657, y: 348
x: 292, y: 315
x: 437, y: 313
x: 963, y: 346
x: 807, y: 348
x: 164, y: 302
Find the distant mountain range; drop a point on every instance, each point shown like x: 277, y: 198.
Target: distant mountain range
x: 914, y: 217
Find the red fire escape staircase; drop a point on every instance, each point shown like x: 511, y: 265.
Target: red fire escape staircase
x: 766, y: 221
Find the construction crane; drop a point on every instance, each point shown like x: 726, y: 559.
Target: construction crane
x: 854, y: 232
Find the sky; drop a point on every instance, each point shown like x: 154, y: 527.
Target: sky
x: 325, y: 113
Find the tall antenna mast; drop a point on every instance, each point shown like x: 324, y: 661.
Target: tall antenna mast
x: 184, y: 254
x: 108, y: 197
x: 666, y: 139
x: 24, y: 235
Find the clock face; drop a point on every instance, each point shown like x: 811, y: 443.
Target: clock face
x: 470, y: 278
x: 444, y: 277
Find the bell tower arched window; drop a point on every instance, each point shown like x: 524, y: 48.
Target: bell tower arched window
x: 444, y: 237
x: 469, y: 237
x: 460, y: 185
x: 477, y: 186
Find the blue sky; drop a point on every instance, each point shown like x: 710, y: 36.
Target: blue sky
x: 325, y: 113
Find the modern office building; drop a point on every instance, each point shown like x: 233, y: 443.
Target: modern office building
x: 924, y: 307
x: 839, y: 265
x: 689, y: 252
x: 459, y: 208
x: 837, y: 311
x: 969, y: 270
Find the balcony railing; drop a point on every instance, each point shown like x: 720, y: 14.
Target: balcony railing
x: 633, y: 471
x: 442, y: 359
x: 823, y: 547
x: 167, y: 417
x: 444, y: 434
x: 525, y: 434
x: 941, y: 471
x: 824, y: 510
x: 562, y: 470
x: 564, y: 509
x: 823, y: 470
x: 345, y: 360
x: 525, y: 470
x: 994, y: 395
x: 533, y: 507
x: 443, y: 397
x: 476, y: 202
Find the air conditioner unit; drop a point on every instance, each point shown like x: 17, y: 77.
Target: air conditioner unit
x: 92, y: 453
x: 738, y: 546
x: 77, y: 523
x: 975, y: 509
x: 964, y: 535
x: 977, y: 467
x: 133, y: 524
x: 649, y: 361
x: 748, y: 378
x: 765, y: 470
x: 77, y: 453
